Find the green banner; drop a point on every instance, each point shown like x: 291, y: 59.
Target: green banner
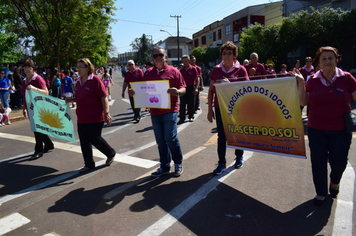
x: 49, y: 115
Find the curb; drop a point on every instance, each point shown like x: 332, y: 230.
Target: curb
x: 16, y: 118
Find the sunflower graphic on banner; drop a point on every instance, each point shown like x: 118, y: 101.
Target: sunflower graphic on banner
x: 262, y: 115
x: 49, y: 115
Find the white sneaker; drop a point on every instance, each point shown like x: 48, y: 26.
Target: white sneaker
x: 8, y: 123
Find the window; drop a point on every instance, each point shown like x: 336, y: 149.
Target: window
x: 173, y: 53
x: 214, y: 36
x: 219, y: 34
x: 203, y: 40
x: 196, y: 43
x: 227, y: 29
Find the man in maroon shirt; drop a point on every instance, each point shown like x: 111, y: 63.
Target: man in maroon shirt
x: 200, y: 85
x: 191, y: 78
x: 133, y: 74
x: 260, y: 70
x: 164, y: 121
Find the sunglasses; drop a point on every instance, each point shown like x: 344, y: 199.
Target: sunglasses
x: 227, y: 53
x: 157, y: 55
x: 308, y: 61
x: 129, y: 64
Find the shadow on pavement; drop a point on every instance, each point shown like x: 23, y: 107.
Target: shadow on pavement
x: 224, y: 211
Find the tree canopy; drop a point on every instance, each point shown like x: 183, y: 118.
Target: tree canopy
x: 64, y: 31
x: 323, y: 27
x: 142, y: 48
x: 206, y: 54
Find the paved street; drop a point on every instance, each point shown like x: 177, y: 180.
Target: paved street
x: 270, y: 195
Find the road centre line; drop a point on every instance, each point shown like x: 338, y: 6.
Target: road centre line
x: 12, y: 222
x: 174, y: 215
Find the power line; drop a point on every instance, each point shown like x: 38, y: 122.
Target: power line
x: 145, y: 23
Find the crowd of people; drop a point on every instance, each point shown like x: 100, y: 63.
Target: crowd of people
x: 326, y: 90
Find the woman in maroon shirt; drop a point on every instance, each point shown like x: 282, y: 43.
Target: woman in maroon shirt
x: 328, y: 139
x: 35, y: 82
x: 92, y: 111
x: 229, y: 70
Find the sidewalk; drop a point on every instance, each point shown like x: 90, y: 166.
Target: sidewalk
x: 16, y: 115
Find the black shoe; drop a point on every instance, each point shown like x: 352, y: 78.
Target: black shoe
x: 36, y: 156
x: 45, y: 150
x: 333, y: 192
x: 318, y: 202
x: 137, y: 120
x: 180, y: 122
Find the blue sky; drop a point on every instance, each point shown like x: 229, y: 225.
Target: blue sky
x: 135, y: 18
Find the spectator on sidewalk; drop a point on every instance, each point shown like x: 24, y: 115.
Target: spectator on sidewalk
x: 5, y: 85
x: 4, y: 115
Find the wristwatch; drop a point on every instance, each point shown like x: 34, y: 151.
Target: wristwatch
x: 178, y: 93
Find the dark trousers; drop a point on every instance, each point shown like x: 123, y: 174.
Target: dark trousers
x: 90, y: 134
x: 332, y: 146
x: 40, y: 140
x: 222, y: 139
x: 197, y: 102
x: 187, y: 99
x: 136, y: 111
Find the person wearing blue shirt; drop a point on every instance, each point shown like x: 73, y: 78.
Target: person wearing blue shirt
x: 67, y: 82
x: 4, y: 89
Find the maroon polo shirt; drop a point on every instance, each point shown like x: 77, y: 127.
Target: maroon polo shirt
x: 236, y: 73
x: 88, y: 97
x: 133, y: 76
x: 36, y: 81
x: 189, y: 74
x: 260, y: 71
x: 175, y: 79
x: 326, y: 106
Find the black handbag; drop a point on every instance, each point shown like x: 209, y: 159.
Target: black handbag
x: 350, y: 118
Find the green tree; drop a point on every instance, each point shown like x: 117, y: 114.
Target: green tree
x: 10, y: 50
x: 303, y: 30
x: 205, y: 54
x: 142, y: 48
x: 63, y: 31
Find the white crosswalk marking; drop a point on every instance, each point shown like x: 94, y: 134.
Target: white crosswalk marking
x: 12, y: 222
x: 140, y: 162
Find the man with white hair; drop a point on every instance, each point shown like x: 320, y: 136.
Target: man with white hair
x: 256, y: 70
x: 133, y: 74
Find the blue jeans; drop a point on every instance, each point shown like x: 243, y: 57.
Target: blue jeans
x: 222, y: 139
x: 165, y: 130
x: 4, y: 98
x: 332, y: 146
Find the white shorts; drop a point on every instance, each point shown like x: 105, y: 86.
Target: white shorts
x: 68, y: 95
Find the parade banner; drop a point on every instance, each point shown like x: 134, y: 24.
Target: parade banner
x: 151, y: 94
x: 262, y: 115
x: 49, y: 115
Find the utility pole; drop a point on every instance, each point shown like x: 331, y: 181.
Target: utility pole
x: 177, y: 35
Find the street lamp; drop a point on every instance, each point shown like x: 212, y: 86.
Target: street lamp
x: 166, y: 32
